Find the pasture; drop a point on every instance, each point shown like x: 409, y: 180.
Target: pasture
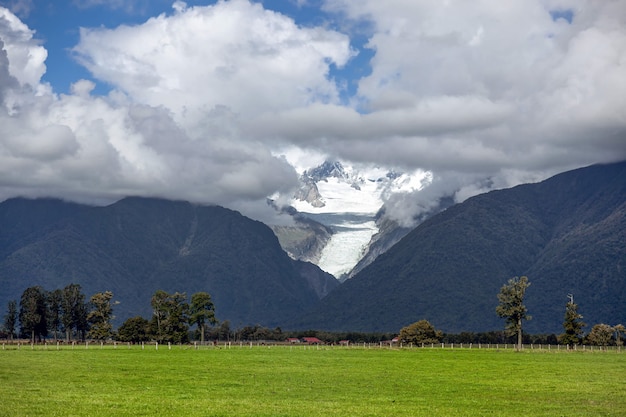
x: 309, y: 381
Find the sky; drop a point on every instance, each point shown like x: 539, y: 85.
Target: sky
x: 224, y: 102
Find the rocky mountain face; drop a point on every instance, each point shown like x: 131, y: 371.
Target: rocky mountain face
x: 303, y: 240
x: 567, y: 234
x: 347, y: 204
x: 137, y: 246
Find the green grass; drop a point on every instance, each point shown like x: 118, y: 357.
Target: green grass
x: 293, y: 381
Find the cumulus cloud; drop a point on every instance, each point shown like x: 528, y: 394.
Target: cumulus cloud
x: 484, y: 86
x: 205, y: 99
x: 234, y: 54
x: 99, y: 149
x: 486, y: 95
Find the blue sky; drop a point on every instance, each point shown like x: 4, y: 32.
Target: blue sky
x: 225, y: 102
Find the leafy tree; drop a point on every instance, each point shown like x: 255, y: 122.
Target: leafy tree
x: 222, y: 332
x: 101, y: 315
x: 572, y: 325
x: 134, y: 330
x: 600, y: 335
x: 512, y: 306
x: 82, y: 324
x: 202, y: 311
x: 171, y: 315
x: 159, y: 312
x: 55, y: 308
x: 420, y: 332
x: 10, y: 319
x: 33, y: 313
x: 619, y: 331
x: 74, y: 310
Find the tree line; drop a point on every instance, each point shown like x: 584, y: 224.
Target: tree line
x: 511, y: 307
x: 42, y: 313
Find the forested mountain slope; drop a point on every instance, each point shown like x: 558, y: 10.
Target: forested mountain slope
x: 137, y: 246
x: 567, y: 234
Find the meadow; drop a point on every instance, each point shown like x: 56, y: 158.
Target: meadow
x: 310, y: 381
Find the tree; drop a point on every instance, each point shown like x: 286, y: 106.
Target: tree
x: 101, y: 315
x: 600, y: 335
x: 420, y: 332
x: 619, y: 331
x: 572, y: 324
x: 159, y: 311
x: 134, y: 330
x: 73, y: 310
x: 512, y: 306
x: 10, y: 319
x: 170, y: 316
x: 201, y: 312
x: 32, y: 314
x: 55, y: 308
x: 223, y: 331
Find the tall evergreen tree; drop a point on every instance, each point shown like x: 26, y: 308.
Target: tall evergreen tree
x: 55, y: 308
x: 33, y: 311
x: 202, y: 312
x: 74, y: 310
x: 512, y: 306
x: 573, y: 325
x: 10, y: 319
x: 101, y: 315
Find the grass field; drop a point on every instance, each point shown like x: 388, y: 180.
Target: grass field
x: 294, y: 381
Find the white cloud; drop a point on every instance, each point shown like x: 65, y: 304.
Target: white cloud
x: 25, y: 56
x: 205, y: 97
x: 542, y: 93
x: 234, y: 54
x: 99, y: 149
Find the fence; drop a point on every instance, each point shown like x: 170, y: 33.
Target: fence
x: 58, y: 345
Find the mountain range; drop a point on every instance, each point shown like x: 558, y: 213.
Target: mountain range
x: 567, y: 234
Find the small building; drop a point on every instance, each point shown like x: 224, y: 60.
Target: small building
x: 312, y: 340
x: 293, y: 340
x: 344, y: 342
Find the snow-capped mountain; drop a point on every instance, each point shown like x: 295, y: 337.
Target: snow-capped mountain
x: 347, y: 199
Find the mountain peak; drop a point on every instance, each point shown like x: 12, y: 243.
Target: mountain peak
x: 328, y: 169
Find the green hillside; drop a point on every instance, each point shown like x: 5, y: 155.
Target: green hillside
x: 137, y: 246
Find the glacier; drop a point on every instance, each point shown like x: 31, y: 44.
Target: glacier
x: 351, y: 203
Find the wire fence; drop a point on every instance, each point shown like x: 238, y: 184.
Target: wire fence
x: 91, y: 344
